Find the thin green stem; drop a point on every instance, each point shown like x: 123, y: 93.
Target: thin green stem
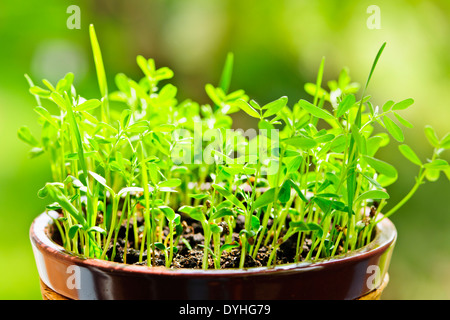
x: 405, y: 199
x: 112, y: 229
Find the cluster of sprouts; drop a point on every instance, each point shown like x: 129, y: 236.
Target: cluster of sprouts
x: 310, y: 171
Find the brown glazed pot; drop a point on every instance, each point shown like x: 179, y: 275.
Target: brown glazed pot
x: 357, y: 275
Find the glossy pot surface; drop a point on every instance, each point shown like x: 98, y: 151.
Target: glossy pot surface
x: 348, y: 276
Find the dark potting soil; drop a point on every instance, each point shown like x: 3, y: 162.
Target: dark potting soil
x: 193, y: 258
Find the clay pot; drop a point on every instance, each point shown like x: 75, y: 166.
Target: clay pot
x: 361, y: 274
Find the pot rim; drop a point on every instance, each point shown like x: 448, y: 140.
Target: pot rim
x: 386, y: 235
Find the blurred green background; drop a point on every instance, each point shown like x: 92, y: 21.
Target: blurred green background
x: 278, y: 46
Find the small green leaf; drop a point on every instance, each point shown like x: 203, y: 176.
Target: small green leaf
x: 88, y: 105
x: 255, y: 223
x: 168, y: 212
x: 59, y: 100
x: 167, y: 127
x: 324, y: 138
x: 432, y: 175
x: 25, y: 135
x: 394, y: 129
x: 438, y: 164
x: 199, y: 196
x: 162, y: 73
x: 185, y: 209
x: 316, y: 227
x: 294, y: 164
x: 265, y: 125
x: 275, y: 106
x: 311, y: 89
x: 46, y: 115
x: 299, y: 142
x: 267, y: 197
x: 186, y: 243
x: 31, y: 84
x: 229, y: 246
x: 403, y: 121
x: 326, y: 205
x: 102, y: 181
x: 333, y: 178
x: 381, y: 166
x: 387, y: 106
x: 65, y: 84
x: 228, y: 195
x: 432, y: 136
x: 385, y: 181
x: 403, y: 104
x: 160, y: 246
x: 177, y: 221
x: 315, y: 111
x: 193, y: 212
x: 170, y: 183
x: 373, y: 194
x: 373, y: 181
x: 48, y: 85
x: 43, y: 93
x: 153, y: 171
x: 373, y: 144
x: 445, y: 142
x: 247, y: 108
x: 122, y: 83
x: 130, y: 189
x: 74, y: 155
x: 409, y: 154
x: 74, y: 229
x: 97, y: 229
x: 284, y: 193
x: 345, y: 105
x: 212, y: 94
x: 339, y: 143
x: 302, y: 226
x: 138, y: 127
x: 297, y: 189
x: 255, y: 105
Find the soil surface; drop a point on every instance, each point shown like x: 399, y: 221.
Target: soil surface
x: 192, y: 257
